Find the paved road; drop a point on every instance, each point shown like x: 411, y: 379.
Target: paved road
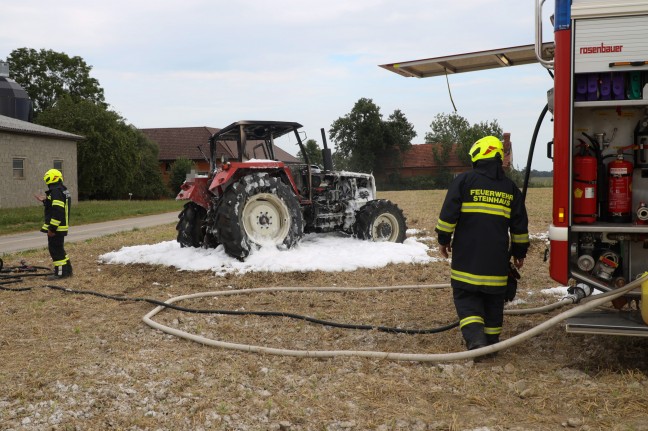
x: 31, y: 240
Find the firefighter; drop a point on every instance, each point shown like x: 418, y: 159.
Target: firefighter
x: 57, y: 201
x: 482, y: 210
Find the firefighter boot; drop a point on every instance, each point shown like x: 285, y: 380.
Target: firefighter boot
x: 61, y: 271
x: 67, y: 269
x: 492, y: 339
x: 474, y: 336
x: 57, y: 274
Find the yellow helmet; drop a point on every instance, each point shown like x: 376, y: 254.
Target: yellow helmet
x: 53, y: 176
x: 486, y: 148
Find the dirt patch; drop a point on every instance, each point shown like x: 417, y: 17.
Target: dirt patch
x: 75, y: 362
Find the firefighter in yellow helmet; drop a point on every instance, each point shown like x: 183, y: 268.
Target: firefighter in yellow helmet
x: 57, y: 201
x: 483, y: 223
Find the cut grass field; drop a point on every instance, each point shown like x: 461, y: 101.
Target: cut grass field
x: 25, y: 219
x: 79, y: 362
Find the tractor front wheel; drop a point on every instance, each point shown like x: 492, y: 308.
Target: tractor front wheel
x: 258, y: 210
x: 380, y: 220
x: 190, y: 226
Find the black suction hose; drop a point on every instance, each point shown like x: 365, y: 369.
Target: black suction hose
x: 18, y: 273
x: 260, y: 313
x: 527, y: 172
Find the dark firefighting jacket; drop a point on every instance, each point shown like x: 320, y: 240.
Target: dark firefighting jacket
x: 483, y: 210
x: 57, y: 209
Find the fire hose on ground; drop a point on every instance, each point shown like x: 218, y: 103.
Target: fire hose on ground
x: 588, y: 304
x: 12, y: 275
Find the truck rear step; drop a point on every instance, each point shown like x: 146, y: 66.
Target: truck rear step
x: 608, y: 323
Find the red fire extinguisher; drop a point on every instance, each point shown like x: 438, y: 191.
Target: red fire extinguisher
x: 584, y: 187
x: 620, y: 190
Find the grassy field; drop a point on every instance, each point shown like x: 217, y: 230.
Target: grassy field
x: 79, y: 362
x: 14, y: 220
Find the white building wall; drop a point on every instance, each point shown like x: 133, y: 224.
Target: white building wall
x: 38, y: 153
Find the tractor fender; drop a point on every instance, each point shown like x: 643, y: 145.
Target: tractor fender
x: 230, y: 172
x: 223, y: 178
x: 195, y: 190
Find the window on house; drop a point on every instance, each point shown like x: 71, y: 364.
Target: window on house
x: 58, y: 164
x: 19, y: 169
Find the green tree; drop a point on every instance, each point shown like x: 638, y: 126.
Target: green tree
x: 179, y: 170
x: 453, y: 129
x: 365, y: 141
x: 47, y: 75
x: 313, y: 151
x: 400, y: 134
x: 113, y: 158
x: 517, y: 176
x: 340, y: 161
x: 147, y: 182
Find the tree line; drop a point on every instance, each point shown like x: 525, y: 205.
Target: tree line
x: 365, y: 142
x: 116, y: 159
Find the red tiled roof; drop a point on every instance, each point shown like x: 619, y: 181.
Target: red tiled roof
x: 177, y: 142
x: 257, y: 153
x: 421, y: 156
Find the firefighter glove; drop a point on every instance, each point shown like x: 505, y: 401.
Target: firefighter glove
x: 511, y: 283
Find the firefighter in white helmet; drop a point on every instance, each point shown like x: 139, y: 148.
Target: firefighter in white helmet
x: 56, y: 202
x: 483, y: 222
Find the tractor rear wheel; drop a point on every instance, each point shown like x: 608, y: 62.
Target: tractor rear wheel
x: 258, y: 210
x: 190, y: 226
x: 380, y: 220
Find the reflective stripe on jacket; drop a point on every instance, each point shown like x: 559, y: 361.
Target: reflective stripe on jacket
x: 57, y: 209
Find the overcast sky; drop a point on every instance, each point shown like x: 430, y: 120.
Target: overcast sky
x: 181, y: 63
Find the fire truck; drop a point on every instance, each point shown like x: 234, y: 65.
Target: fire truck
x: 599, y: 102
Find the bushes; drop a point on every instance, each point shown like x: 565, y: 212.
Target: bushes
x: 419, y: 182
x: 179, y: 170
x: 442, y: 180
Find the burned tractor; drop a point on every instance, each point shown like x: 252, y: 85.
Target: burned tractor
x: 250, y: 202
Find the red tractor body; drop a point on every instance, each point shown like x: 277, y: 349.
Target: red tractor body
x: 247, y: 202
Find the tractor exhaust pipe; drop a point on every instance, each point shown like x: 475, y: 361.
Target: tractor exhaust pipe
x: 326, y: 153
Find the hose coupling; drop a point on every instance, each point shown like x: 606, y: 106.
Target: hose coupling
x: 578, y: 292
x: 642, y: 213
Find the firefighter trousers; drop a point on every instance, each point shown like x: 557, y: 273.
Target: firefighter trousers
x: 481, y: 316
x: 56, y: 247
